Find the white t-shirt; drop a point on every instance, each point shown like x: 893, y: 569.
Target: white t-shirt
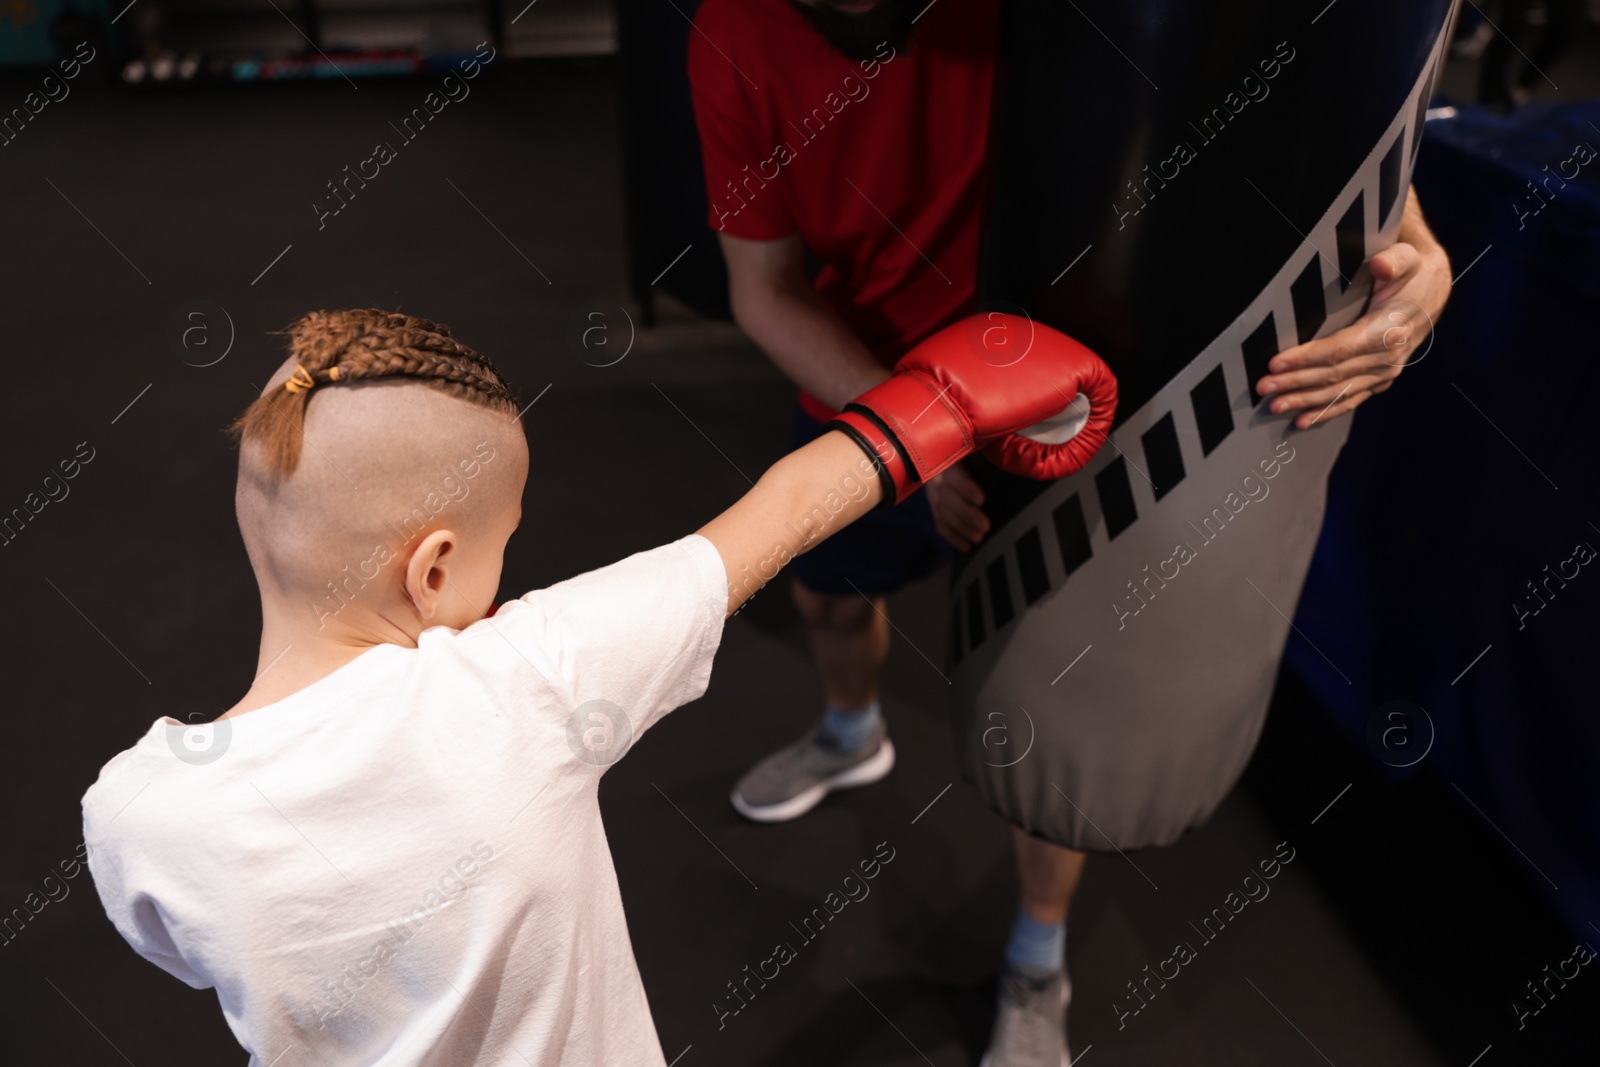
x: 404, y: 863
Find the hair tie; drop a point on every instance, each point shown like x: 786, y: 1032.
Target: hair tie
x: 300, y: 379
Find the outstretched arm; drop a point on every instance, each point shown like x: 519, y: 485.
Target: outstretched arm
x: 802, y: 499
x: 1040, y: 413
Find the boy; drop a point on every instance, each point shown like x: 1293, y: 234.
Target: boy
x: 390, y: 850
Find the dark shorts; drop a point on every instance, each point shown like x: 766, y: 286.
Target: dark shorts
x: 878, y: 553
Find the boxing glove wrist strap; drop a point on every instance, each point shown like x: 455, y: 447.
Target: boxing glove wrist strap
x: 881, y: 446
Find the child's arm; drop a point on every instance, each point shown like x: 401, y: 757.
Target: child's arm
x: 803, y: 498
x: 1038, y: 402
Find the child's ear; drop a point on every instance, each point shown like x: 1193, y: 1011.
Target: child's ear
x: 426, y: 576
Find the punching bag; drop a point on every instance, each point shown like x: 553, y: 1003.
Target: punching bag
x: 1188, y: 189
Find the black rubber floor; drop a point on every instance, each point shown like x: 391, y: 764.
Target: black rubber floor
x: 1397, y: 936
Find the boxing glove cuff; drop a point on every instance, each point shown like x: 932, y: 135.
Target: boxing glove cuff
x: 880, y: 445
x: 910, y: 428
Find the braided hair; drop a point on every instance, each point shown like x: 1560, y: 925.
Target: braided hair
x: 363, y: 344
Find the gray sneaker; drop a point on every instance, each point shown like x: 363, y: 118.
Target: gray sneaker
x: 794, y: 779
x: 1031, y: 1027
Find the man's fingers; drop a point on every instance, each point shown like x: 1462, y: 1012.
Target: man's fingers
x: 966, y: 521
x: 971, y: 522
x: 1289, y: 385
x: 1392, y: 327
x: 1332, y: 411
x: 961, y: 531
x: 1385, y: 336
x: 964, y: 486
x: 956, y: 500
x: 1335, y: 348
x: 1282, y: 385
x: 1316, y: 399
x: 1395, y: 261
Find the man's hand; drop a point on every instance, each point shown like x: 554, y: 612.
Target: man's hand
x: 957, y: 503
x: 1330, y: 377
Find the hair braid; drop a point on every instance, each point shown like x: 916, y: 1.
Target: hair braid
x: 365, y: 344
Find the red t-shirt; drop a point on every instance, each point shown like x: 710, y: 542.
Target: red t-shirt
x: 878, y: 165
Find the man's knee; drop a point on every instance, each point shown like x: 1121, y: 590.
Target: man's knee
x: 836, y: 611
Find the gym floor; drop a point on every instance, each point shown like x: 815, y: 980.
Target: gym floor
x: 1398, y: 934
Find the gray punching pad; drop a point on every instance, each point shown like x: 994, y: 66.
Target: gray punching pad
x: 1188, y: 193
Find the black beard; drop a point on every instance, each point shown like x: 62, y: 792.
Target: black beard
x: 860, y: 36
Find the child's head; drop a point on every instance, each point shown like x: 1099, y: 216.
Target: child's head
x: 380, y: 476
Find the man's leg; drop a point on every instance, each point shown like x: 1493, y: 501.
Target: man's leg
x: 1049, y: 875
x: 849, y: 638
x: 1030, y: 1029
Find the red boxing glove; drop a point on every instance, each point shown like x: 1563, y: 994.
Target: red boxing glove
x: 1037, y: 402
